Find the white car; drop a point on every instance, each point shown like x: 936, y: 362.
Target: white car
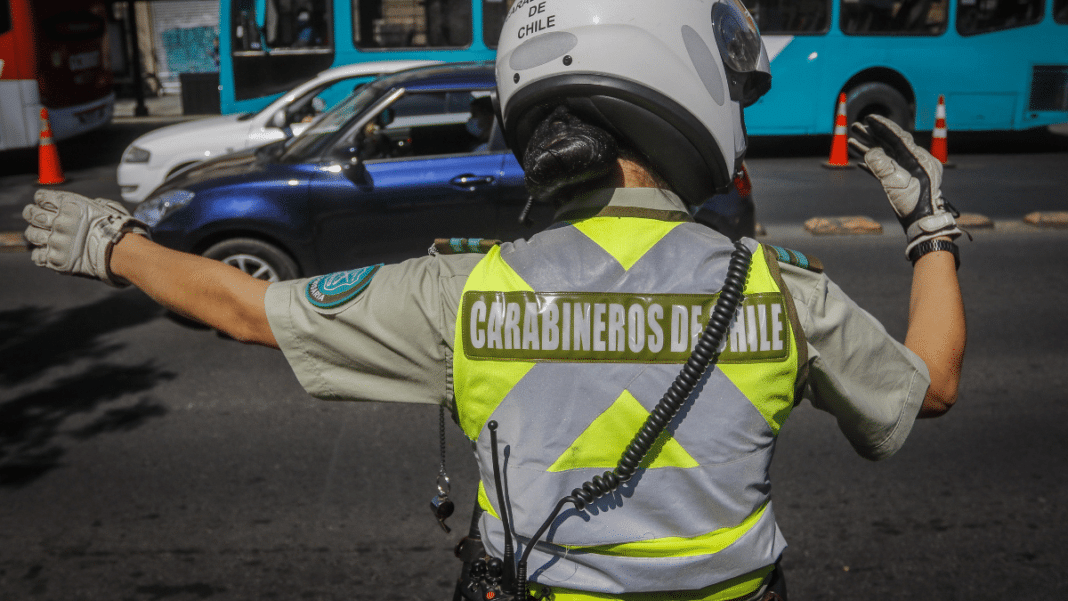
x: 159, y: 154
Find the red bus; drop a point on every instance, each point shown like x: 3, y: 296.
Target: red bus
x: 54, y: 54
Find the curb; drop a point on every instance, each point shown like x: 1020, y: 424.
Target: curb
x: 975, y: 221
x: 1048, y: 219
x: 157, y: 119
x: 826, y: 226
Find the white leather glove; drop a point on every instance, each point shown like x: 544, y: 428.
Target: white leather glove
x: 910, y: 177
x: 74, y: 235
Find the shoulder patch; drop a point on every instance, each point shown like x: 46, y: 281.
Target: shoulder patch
x: 458, y: 246
x: 797, y: 259
x: 333, y: 290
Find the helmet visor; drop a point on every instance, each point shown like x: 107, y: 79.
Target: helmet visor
x: 746, y: 63
x: 737, y: 36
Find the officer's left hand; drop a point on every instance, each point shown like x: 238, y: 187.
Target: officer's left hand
x: 910, y: 176
x: 74, y: 234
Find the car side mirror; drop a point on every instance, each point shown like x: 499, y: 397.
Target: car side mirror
x: 279, y: 119
x: 351, y: 165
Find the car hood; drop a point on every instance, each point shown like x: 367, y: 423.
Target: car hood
x: 240, y: 164
x: 204, y: 134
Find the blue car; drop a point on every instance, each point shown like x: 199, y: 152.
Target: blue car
x: 398, y: 164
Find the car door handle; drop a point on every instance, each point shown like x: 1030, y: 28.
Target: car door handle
x: 471, y: 181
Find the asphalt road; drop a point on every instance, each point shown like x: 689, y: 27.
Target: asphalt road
x: 144, y: 459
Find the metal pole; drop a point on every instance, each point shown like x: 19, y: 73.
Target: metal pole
x: 135, y: 51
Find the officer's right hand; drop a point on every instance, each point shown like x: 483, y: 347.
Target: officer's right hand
x: 910, y: 177
x: 74, y: 235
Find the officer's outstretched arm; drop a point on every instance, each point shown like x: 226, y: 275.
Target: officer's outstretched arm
x: 911, y: 178
x: 75, y: 235
x: 206, y: 290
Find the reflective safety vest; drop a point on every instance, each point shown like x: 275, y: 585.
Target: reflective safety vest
x: 568, y: 341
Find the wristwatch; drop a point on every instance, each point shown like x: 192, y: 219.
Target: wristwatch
x: 930, y: 246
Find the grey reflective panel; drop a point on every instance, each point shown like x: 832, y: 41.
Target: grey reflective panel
x: 762, y: 545
x: 555, y: 403
x: 561, y: 261
x: 721, y: 408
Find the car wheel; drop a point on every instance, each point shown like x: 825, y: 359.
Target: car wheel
x: 878, y: 99
x: 257, y: 258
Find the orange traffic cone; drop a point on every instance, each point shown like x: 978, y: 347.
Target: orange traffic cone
x: 48, y: 169
x: 840, y: 145
x: 938, y: 136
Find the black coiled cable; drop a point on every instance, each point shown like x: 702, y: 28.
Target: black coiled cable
x: 703, y: 357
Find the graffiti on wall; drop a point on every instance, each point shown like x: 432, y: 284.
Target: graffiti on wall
x: 191, y: 49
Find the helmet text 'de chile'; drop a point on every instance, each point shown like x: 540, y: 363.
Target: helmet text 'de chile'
x: 667, y: 79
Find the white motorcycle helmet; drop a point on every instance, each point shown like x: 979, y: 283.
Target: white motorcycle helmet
x: 667, y: 78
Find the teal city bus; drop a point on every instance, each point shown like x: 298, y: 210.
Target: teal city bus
x: 1000, y: 64
x: 267, y: 47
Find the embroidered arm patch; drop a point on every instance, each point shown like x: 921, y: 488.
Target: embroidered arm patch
x: 797, y: 259
x: 333, y: 290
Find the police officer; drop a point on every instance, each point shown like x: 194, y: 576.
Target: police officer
x: 625, y: 114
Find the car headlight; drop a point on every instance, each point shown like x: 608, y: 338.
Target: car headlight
x: 135, y: 154
x: 153, y: 210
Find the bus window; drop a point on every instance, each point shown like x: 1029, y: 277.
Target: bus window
x: 493, y: 13
x: 791, y: 17
x: 1060, y: 11
x: 982, y: 16
x: 5, y: 16
x: 245, y: 31
x: 276, y: 44
x: 888, y: 17
x: 411, y: 23
x: 279, y: 24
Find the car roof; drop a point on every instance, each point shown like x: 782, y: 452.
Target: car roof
x: 371, y: 68
x: 441, y: 78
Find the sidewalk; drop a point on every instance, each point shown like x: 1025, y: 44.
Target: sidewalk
x: 167, y: 107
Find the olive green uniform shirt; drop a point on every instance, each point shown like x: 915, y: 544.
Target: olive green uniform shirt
x: 393, y: 342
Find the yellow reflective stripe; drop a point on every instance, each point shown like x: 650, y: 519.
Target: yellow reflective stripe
x: 768, y: 386
x: 676, y: 546
x: 602, y: 443
x: 484, y: 502
x: 740, y: 586
x: 482, y: 390
x: 482, y: 395
x: 493, y: 273
x: 627, y: 240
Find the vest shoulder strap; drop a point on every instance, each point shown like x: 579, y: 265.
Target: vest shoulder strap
x: 773, y: 254
x: 457, y: 246
x: 796, y: 258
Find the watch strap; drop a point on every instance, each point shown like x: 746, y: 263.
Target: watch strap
x: 930, y: 246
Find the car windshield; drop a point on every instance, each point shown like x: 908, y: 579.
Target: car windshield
x: 313, y: 140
